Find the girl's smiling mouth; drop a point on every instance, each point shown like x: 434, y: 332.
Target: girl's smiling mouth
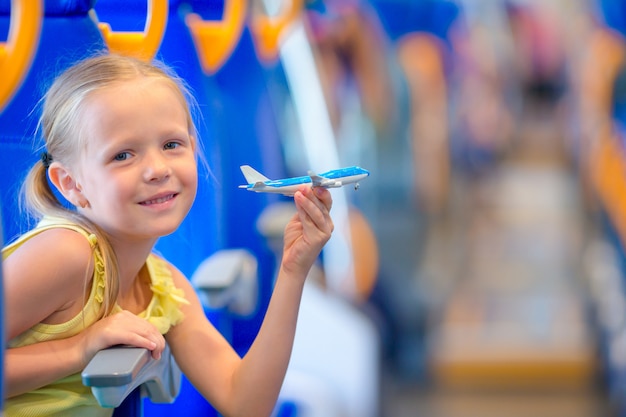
x: 158, y: 200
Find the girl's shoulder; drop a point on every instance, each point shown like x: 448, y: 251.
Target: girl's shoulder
x: 35, y: 270
x: 57, y: 245
x: 64, y: 232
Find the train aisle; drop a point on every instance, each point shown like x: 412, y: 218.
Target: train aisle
x: 509, y: 332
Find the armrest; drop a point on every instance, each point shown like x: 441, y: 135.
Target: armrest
x: 115, y: 372
x: 228, y: 279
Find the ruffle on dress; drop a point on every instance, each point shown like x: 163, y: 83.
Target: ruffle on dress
x: 164, y: 310
x: 99, y: 271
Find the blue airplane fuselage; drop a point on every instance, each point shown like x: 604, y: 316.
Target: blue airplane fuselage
x: 332, y: 179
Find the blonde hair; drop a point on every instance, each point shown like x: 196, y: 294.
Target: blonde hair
x: 61, y: 128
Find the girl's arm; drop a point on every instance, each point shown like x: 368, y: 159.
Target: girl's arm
x: 250, y: 386
x: 45, y: 282
x: 34, y: 366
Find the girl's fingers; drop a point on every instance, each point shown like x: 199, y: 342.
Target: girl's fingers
x: 126, y: 328
x: 154, y: 343
x: 315, y: 210
x: 319, y: 196
x: 324, y: 195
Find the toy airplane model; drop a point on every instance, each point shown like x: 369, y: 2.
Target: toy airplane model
x: 332, y: 179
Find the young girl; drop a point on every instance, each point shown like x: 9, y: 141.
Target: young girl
x: 121, y: 147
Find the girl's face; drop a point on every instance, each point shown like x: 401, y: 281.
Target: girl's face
x: 138, y: 172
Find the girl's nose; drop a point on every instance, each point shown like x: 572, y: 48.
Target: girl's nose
x: 156, y: 168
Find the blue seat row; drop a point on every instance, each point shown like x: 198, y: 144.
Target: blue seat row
x: 235, y: 122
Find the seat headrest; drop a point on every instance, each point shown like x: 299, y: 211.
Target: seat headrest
x: 55, y: 7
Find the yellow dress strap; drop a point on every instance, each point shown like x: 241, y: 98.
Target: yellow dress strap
x: 48, y: 223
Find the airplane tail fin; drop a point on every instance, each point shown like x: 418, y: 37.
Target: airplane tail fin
x: 252, y: 175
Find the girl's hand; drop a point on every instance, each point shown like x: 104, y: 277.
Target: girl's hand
x: 308, y: 231
x: 123, y: 328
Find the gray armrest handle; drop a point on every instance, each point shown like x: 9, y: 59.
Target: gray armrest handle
x: 228, y: 278
x: 115, y: 372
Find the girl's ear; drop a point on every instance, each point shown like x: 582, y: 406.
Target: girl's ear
x: 64, y: 181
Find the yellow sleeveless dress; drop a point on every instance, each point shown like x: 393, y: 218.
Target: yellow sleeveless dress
x: 69, y: 397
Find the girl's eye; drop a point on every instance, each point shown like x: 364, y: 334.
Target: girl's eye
x: 171, y: 145
x: 121, y: 156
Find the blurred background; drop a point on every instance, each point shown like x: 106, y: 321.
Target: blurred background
x: 480, y: 270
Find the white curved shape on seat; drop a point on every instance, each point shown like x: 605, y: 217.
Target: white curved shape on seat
x: 335, y: 361
x: 313, y: 396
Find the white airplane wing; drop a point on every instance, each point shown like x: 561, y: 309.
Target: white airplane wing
x: 318, y: 181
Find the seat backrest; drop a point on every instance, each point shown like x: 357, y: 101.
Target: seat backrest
x: 613, y: 13
x: 203, y: 231
x: 431, y: 16
x: 2, y: 332
x: 67, y: 35
x: 60, y: 32
x: 237, y: 128
x: 187, y: 247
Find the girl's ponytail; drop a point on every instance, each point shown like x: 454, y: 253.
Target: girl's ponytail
x: 38, y: 196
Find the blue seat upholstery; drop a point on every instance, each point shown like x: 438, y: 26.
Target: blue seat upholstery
x: 236, y: 126
x: 2, y: 333
x: 235, y: 132
x: 232, y: 114
x: 198, y: 236
x: 67, y: 35
x: 613, y: 14
x: 611, y: 18
x: 432, y: 16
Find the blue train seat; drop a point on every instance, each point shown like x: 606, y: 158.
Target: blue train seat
x: 243, y: 83
x: 601, y: 149
x: 613, y: 14
x: 2, y: 332
x: 609, y: 276
x: 256, y: 143
x: 200, y: 234
x: 225, y: 96
x: 67, y: 35
x: 25, y: 50
x: 432, y: 16
x: 249, y: 89
x: 187, y: 247
x: 20, y: 47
